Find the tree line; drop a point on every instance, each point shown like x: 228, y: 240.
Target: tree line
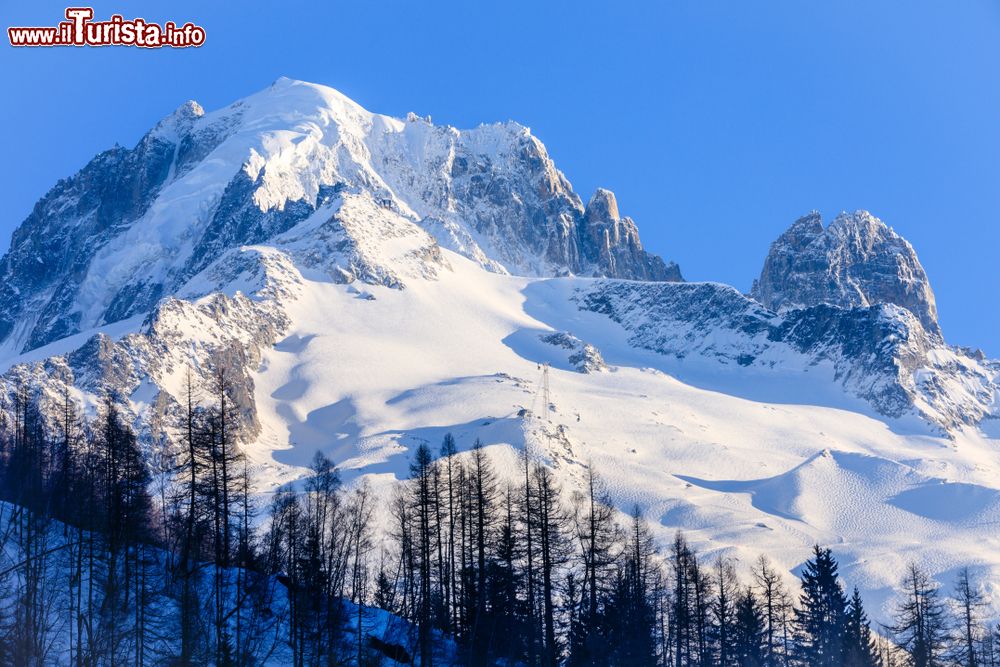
x: 113, y: 552
x: 519, y: 572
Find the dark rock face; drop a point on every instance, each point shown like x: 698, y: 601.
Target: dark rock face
x: 238, y: 329
x: 583, y: 356
x: 520, y: 203
x: 527, y: 210
x: 237, y: 220
x: 879, y: 353
x: 856, y: 261
x: 611, y: 243
x: 51, y: 250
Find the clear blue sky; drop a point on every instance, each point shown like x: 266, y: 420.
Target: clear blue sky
x: 716, y: 123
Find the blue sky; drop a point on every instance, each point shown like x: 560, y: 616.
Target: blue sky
x: 716, y: 123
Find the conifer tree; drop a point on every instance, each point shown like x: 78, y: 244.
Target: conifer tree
x: 681, y: 616
x: 421, y: 472
x: 922, y: 625
x: 773, y: 599
x: 969, y: 599
x: 727, y: 590
x: 859, y: 645
x: 821, y: 612
x: 481, y: 506
x: 598, y: 540
x: 553, y: 548
x: 749, y: 631
x: 701, y: 597
x: 449, y: 449
x: 630, y: 616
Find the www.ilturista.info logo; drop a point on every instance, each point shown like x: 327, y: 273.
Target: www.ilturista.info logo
x: 81, y: 30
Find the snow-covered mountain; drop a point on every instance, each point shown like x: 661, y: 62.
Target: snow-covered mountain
x: 856, y: 261
x: 372, y: 283
x: 135, y: 225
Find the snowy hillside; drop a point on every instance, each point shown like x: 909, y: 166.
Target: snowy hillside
x: 375, y: 283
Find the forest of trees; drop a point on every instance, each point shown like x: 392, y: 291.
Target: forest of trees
x: 114, y: 555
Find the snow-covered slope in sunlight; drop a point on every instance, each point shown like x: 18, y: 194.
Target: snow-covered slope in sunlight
x: 771, y: 470
x: 368, y: 284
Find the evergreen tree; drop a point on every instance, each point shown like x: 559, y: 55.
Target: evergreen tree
x: 553, y: 546
x: 821, y: 613
x: 421, y: 473
x: 30, y: 524
x: 681, y: 558
x: 599, y: 548
x: 530, y: 509
x: 482, y: 512
x: 701, y: 597
x: 630, y: 617
x: 749, y: 631
x: 773, y: 598
x: 859, y: 645
x: 724, y: 611
x: 193, y: 461
x: 506, y: 572
x: 506, y: 612
x: 449, y: 449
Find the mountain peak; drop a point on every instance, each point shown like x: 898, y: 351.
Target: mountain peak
x: 179, y: 122
x: 136, y: 225
x: 857, y: 260
x: 809, y: 224
x: 863, y: 224
x: 288, y: 93
x: 602, y: 206
x: 611, y: 243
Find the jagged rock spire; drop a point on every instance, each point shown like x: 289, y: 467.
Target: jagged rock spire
x: 857, y: 260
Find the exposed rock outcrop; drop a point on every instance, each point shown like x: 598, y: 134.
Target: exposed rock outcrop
x: 881, y: 354
x: 856, y: 261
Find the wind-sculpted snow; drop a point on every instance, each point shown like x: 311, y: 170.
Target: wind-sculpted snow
x: 366, y: 375
x: 227, y: 314
x: 856, y: 261
x: 848, y: 494
x: 879, y: 353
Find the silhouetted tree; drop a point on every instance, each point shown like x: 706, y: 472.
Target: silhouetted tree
x: 820, y: 616
x: 921, y: 625
x: 859, y: 645
x: 749, y: 631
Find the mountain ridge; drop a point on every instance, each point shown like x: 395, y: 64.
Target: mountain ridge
x: 490, y: 193
x: 354, y: 196
x: 372, y: 283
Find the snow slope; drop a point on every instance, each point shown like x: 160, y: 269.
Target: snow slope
x: 372, y: 283
x: 693, y: 443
